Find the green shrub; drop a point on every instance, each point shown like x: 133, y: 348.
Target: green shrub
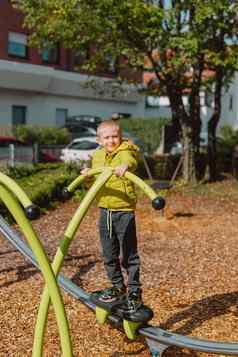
x: 161, y: 167
x: 165, y: 166
x: 226, y: 143
x: 43, y: 185
x: 46, y: 185
x: 148, y: 130
x: 42, y: 135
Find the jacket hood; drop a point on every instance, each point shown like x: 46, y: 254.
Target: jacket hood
x: 126, y: 145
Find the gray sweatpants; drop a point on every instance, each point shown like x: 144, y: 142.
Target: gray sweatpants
x: 118, y: 238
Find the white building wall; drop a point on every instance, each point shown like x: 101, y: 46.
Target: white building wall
x: 43, y: 90
x: 229, y: 114
x: 41, y: 109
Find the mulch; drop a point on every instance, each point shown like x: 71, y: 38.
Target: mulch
x: 189, y: 273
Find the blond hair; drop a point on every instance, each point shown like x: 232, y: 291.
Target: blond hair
x: 108, y: 124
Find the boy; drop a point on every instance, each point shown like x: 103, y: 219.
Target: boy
x: 117, y: 201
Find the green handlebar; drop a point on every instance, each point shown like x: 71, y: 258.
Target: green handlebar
x: 130, y: 176
x: 157, y: 201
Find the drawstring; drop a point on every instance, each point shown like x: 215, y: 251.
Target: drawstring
x: 109, y: 223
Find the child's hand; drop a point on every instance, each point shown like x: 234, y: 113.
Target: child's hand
x: 120, y: 170
x: 84, y: 171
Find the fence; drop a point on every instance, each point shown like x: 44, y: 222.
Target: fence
x: 13, y: 155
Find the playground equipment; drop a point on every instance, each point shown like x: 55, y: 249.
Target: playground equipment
x: 14, y: 198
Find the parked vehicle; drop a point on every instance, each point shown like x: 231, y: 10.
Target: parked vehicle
x: 84, y: 126
x: 83, y: 119
x: 79, y: 149
x: 5, y: 141
x: 79, y: 126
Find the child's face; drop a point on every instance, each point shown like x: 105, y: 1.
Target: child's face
x: 110, y: 138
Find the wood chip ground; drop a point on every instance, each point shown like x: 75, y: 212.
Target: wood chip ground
x: 189, y: 257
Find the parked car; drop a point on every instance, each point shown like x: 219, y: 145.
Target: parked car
x: 84, y: 128
x: 82, y: 125
x: 5, y: 141
x: 82, y: 148
x: 79, y: 149
x: 83, y: 118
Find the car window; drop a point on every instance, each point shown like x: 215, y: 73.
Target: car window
x: 83, y: 145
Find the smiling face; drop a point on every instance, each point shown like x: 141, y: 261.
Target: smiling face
x: 109, y: 136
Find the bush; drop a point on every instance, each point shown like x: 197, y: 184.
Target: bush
x: 46, y: 185
x: 148, y: 130
x: 165, y: 166
x: 227, y: 141
x: 43, y: 184
x: 161, y: 167
x: 42, y: 135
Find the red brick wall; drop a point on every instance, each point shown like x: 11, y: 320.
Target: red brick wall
x: 12, y: 20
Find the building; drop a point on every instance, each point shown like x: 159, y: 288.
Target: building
x: 44, y: 88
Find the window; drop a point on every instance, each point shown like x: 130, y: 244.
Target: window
x: 231, y: 102
x: 18, y: 114
x: 110, y: 63
x: 83, y: 145
x: 60, y: 116
x: 209, y: 98
x: 51, y: 55
x: 80, y: 57
x: 17, y: 45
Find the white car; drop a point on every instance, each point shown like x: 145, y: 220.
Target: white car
x: 80, y: 149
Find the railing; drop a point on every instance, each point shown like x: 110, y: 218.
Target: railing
x: 16, y: 155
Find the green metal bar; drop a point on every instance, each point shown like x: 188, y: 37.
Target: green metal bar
x: 81, y: 178
x: 130, y: 176
x: 16, y: 210
x: 62, y: 251
x: 15, y: 189
x: 142, y: 185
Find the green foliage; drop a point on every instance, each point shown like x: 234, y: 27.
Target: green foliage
x: 21, y: 171
x: 45, y: 186
x: 227, y: 142
x: 180, y: 39
x: 161, y: 167
x: 228, y: 136
x: 148, y: 130
x: 165, y: 166
x: 42, y: 135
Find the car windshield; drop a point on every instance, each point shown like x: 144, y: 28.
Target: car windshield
x: 83, y: 145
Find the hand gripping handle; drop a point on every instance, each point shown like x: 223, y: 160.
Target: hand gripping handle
x: 158, y: 202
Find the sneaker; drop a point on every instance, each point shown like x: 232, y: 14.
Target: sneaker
x: 112, y: 294
x: 134, y: 301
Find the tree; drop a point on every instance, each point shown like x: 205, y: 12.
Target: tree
x: 181, y: 40
x: 222, y: 59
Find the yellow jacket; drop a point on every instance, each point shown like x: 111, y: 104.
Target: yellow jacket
x: 118, y: 194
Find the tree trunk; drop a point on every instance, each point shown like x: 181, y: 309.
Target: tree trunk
x: 212, y: 126
x: 180, y: 116
x: 189, y: 167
